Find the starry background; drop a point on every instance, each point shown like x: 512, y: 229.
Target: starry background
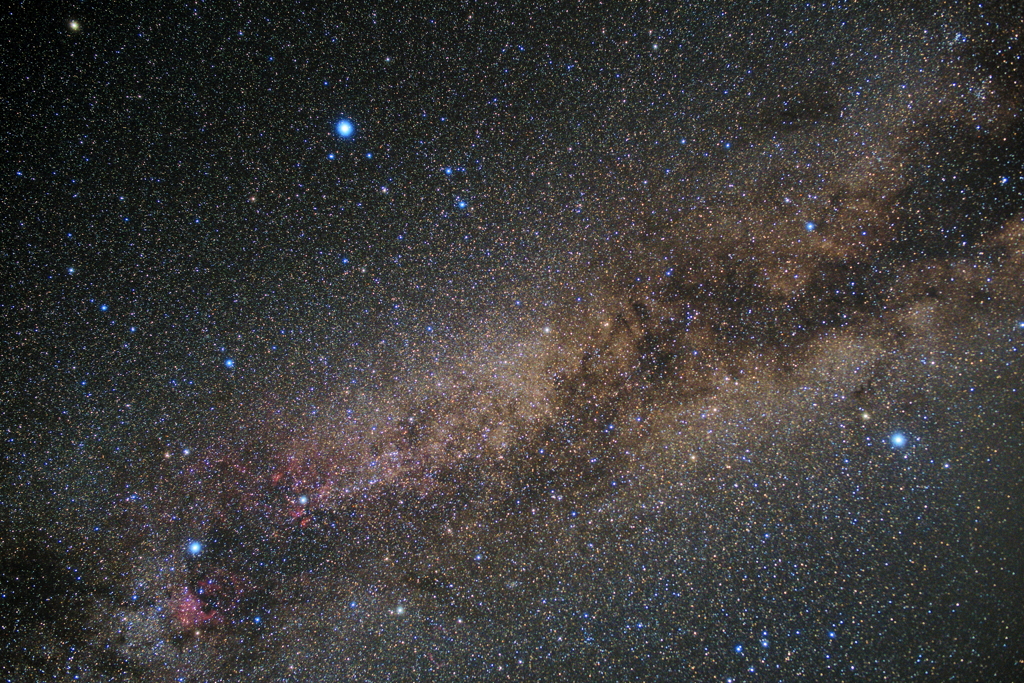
x: 617, y: 342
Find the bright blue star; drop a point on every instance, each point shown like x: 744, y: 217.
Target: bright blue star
x: 461, y: 204
x: 345, y: 128
x: 898, y: 440
x: 195, y: 547
x: 229, y: 363
x: 809, y: 226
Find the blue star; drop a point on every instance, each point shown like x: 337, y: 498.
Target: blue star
x: 345, y: 128
x: 195, y: 547
x: 809, y: 226
x: 229, y: 363
x: 898, y: 440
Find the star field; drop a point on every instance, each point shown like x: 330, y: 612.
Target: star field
x: 641, y: 342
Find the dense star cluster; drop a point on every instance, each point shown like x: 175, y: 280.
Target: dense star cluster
x: 455, y: 342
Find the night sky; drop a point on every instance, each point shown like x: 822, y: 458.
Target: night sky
x: 512, y: 342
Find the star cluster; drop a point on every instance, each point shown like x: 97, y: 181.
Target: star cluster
x: 655, y: 342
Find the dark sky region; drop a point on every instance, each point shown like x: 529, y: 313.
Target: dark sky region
x: 512, y: 342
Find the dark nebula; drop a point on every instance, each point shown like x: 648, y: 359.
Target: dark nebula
x: 640, y: 342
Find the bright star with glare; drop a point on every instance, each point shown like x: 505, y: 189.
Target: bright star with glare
x: 345, y: 128
x: 195, y: 547
x: 229, y: 363
x: 809, y: 226
x: 898, y: 440
x: 74, y: 25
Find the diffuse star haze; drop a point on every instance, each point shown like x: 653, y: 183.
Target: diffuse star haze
x: 491, y: 343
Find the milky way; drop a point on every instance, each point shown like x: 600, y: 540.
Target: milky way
x: 641, y: 343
